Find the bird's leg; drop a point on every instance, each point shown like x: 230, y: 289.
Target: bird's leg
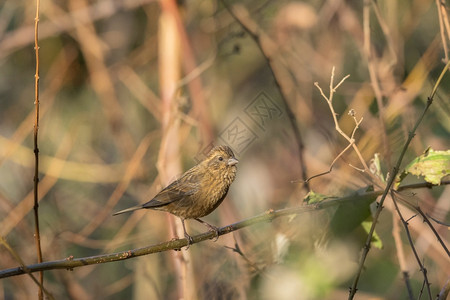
x: 211, y: 228
x: 186, y: 235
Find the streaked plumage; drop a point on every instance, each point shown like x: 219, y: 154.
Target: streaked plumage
x: 199, y: 191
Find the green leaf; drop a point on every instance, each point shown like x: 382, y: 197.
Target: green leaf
x: 312, y: 197
x: 376, y: 240
x: 432, y: 165
x: 350, y: 215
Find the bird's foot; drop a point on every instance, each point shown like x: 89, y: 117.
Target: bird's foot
x: 214, y: 229
x: 189, y: 239
x: 210, y: 228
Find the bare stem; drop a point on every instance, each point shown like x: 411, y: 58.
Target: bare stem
x: 350, y: 139
x: 22, y: 264
x: 36, y: 151
x: 426, y: 220
x: 374, y: 78
x: 411, y: 243
x: 392, y: 177
x: 443, y: 25
x: 176, y: 244
x: 257, y: 35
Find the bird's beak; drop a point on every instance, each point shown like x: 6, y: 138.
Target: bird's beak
x: 232, y: 161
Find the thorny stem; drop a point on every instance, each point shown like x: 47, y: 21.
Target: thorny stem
x: 71, y: 263
x: 411, y: 243
x: 36, y: 152
x: 392, y: 177
x: 238, y: 250
x: 425, y: 220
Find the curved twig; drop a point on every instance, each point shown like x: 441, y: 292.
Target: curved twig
x: 411, y: 243
x: 37, y: 234
x: 254, y: 32
x: 176, y: 244
x: 392, y: 177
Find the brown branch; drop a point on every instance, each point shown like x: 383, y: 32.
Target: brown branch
x: 411, y: 243
x: 22, y: 37
x: 392, y: 178
x: 427, y: 221
x: 401, y: 255
x: 350, y: 139
x: 129, y: 174
x: 100, y: 77
x: 374, y: 78
x: 444, y: 291
x: 267, y: 51
x: 332, y: 164
x: 176, y: 244
x: 26, y: 270
x: 386, y: 31
x: 238, y: 250
x: 37, y: 234
x: 171, y: 39
x: 437, y: 221
x: 443, y: 25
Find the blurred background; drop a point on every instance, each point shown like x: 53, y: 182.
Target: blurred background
x: 135, y: 92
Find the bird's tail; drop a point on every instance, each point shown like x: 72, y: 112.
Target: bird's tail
x: 128, y: 210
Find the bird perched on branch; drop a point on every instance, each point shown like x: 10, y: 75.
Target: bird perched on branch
x: 199, y: 191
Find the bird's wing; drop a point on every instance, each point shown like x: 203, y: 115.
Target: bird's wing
x: 176, y: 191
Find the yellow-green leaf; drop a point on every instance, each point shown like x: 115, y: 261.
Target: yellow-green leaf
x: 312, y: 197
x: 432, y: 165
x: 376, y: 240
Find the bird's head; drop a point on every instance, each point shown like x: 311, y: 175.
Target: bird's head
x: 221, y: 159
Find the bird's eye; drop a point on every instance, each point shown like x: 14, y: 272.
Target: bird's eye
x: 220, y: 158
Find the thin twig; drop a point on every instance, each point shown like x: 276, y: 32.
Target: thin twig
x: 331, y: 165
x: 256, y: 35
x: 101, y: 78
x: 238, y: 250
x: 408, y: 285
x: 440, y: 5
x: 128, y: 175
x: 374, y: 79
x: 400, y: 198
x: 351, y: 139
x: 425, y: 220
x: 392, y: 178
x: 401, y: 254
x: 386, y: 31
x: 99, y: 10
x: 437, y: 221
x: 171, y: 38
x: 411, y: 243
x: 37, y: 235
x: 176, y: 244
x: 22, y: 264
x: 444, y: 291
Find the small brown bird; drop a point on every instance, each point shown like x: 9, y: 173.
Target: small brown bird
x: 199, y: 191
